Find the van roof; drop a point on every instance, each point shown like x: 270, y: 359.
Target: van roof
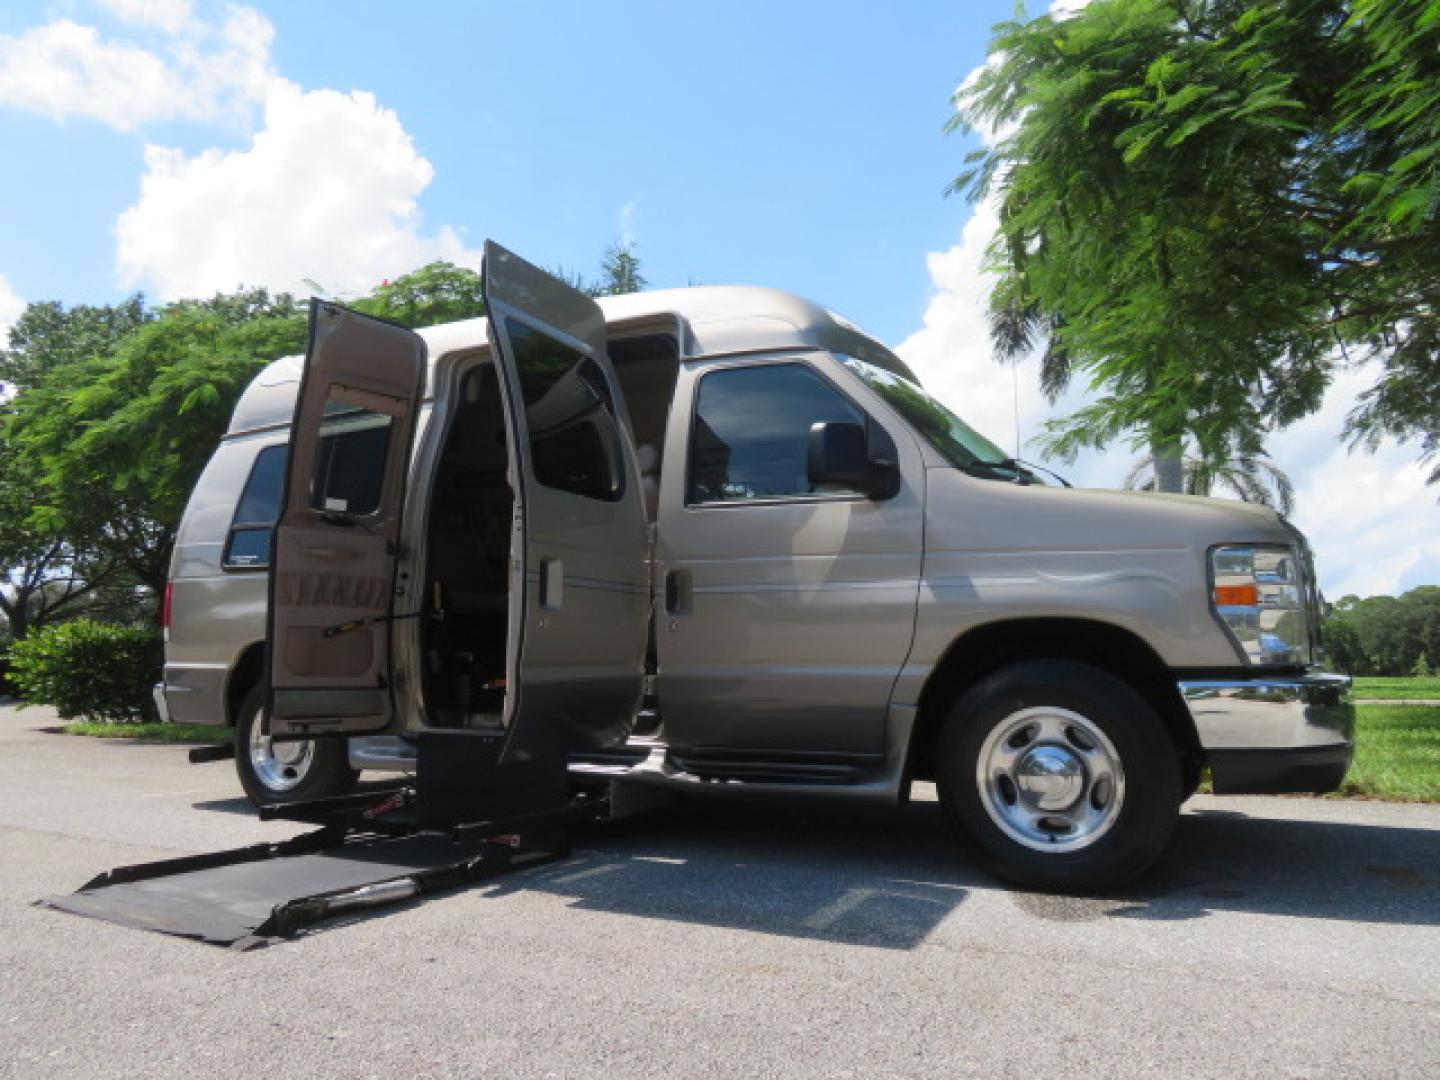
x: 714, y: 320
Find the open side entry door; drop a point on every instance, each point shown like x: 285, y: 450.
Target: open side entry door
x: 332, y: 580
x: 580, y: 566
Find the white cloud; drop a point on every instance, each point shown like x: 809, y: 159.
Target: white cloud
x: 953, y: 356
x: 625, y: 225
x: 10, y: 308
x: 198, y: 72
x: 1374, y: 524
x: 325, y: 190
x: 171, y: 16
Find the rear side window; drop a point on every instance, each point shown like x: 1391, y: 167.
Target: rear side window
x: 350, y: 461
x: 752, y: 432
x: 249, y: 542
x: 570, y: 413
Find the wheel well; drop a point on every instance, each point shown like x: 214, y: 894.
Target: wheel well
x: 985, y: 649
x: 244, y: 677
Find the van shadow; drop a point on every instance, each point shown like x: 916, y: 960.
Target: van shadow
x: 886, y: 877
x: 1222, y: 860
x: 883, y: 878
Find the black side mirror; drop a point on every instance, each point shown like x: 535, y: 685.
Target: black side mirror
x: 839, y: 454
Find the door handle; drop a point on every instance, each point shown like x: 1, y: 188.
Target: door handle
x: 552, y: 584
x: 679, y: 592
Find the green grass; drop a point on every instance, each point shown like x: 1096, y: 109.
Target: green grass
x: 1414, y: 689
x: 186, y: 733
x: 1397, y: 754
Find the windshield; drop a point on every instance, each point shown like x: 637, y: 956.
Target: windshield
x: 957, y: 441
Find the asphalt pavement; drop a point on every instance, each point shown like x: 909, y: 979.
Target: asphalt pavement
x: 1279, y: 937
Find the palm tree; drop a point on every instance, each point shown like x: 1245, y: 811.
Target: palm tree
x: 620, y: 270
x: 1252, y: 478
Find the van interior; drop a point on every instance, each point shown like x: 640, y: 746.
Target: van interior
x: 466, y: 613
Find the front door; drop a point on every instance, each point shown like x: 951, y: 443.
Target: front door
x: 788, y: 611
x: 332, y: 582
x: 578, y: 636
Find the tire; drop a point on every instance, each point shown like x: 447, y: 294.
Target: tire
x: 1081, y: 782
x: 287, y: 772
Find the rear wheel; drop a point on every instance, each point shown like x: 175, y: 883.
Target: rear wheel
x: 1063, y: 776
x: 281, y: 772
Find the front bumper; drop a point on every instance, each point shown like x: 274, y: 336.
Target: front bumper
x: 1273, y: 734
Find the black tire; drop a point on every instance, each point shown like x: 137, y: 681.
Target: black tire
x: 1192, y: 773
x: 1130, y: 828
x: 316, y: 768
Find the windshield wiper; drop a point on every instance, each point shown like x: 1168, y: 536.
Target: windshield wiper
x: 1019, y: 462
x: 1020, y: 468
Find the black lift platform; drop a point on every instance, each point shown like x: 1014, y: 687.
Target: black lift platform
x: 466, y: 818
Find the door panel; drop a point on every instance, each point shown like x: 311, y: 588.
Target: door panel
x: 789, y: 612
x: 578, y: 639
x: 332, y: 578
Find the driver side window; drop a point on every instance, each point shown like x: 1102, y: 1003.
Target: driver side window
x: 751, y: 432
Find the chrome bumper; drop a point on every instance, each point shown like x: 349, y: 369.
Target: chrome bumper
x: 1273, y: 734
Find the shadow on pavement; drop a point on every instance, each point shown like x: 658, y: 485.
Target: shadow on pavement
x: 881, y: 877
x: 887, y: 876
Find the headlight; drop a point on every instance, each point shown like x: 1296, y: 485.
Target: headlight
x: 1259, y: 594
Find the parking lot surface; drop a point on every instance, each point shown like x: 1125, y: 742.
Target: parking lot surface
x: 1283, y: 937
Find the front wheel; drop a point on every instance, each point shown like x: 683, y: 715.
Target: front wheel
x: 1063, y: 775
x: 284, y: 772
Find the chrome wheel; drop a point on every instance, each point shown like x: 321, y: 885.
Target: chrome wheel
x: 1050, y: 779
x: 279, y: 766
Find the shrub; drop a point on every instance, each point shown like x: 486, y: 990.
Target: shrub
x: 89, y: 670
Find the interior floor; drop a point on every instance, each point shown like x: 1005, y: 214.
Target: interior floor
x: 467, y: 574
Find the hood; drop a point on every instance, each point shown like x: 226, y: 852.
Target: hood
x: 965, y: 512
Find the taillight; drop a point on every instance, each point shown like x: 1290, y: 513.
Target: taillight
x: 165, y: 606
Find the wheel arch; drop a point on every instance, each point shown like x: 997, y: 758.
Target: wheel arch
x: 985, y: 649
x: 245, y: 675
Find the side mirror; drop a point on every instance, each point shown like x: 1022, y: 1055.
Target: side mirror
x: 839, y: 454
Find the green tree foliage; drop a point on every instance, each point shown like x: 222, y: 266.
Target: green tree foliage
x: 48, y: 335
x: 90, y: 670
x: 437, y: 293
x: 44, y: 576
x: 116, y: 441
x: 1200, y: 199
x: 1385, y: 635
x: 45, y: 573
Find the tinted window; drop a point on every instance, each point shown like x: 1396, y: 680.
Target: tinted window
x: 249, y: 541
x: 350, y: 461
x: 570, y: 414
x: 752, y: 431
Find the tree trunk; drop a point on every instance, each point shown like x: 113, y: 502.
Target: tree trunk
x: 1169, y: 464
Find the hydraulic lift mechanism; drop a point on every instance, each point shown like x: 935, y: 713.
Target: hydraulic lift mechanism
x: 467, y: 817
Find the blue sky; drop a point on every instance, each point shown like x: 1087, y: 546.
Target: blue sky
x: 796, y: 145
x: 183, y: 147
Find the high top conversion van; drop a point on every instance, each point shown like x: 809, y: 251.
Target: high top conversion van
x: 719, y: 540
